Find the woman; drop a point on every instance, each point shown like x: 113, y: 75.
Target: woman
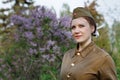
x: 87, y: 61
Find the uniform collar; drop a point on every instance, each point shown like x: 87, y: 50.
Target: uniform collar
x: 85, y: 51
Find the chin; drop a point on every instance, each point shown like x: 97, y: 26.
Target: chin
x: 79, y: 41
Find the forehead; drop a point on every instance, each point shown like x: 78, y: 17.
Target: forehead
x: 80, y: 20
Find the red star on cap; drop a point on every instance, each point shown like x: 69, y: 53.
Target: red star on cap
x: 74, y: 14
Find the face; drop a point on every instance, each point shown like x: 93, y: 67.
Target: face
x: 81, y: 30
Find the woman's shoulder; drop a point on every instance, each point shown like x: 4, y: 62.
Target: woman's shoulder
x: 100, y: 51
x: 70, y: 52
x: 103, y: 54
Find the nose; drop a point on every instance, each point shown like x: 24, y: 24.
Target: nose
x: 77, y: 30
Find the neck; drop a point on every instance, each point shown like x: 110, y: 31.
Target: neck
x: 84, y: 44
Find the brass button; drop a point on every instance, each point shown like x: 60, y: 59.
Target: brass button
x: 72, y: 64
x: 68, y: 75
x: 78, y: 53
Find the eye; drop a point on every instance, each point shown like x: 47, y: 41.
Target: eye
x: 73, y: 27
x: 80, y: 25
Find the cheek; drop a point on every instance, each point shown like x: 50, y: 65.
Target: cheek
x: 72, y: 32
x: 88, y: 31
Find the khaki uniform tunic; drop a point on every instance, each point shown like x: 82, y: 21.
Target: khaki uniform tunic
x: 92, y: 63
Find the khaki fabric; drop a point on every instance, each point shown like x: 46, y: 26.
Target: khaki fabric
x: 81, y: 12
x: 92, y: 63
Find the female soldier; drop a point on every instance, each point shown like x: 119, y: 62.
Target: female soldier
x: 87, y: 61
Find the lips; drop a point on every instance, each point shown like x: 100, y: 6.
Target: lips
x: 77, y: 36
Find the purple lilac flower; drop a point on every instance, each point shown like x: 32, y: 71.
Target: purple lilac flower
x: 68, y: 34
x: 50, y: 43
x: 29, y: 35
x: 57, y: 33
x: 32, y: 51
x: 54, y: 25
x: 36, y: 21
x: 39, y: 32
x: 65, y: 21
x: 33, y: 43
x: 56, y: 49
x: 33, y: 23
x: 16, y: 36
x: 52, y: 58
x: 50, y: 15
x: 49, y: 57
x: 17, y: 20
x: 42, y: 49
x: 28, y: 24
x: 38, y: 12
x: 46, y: 56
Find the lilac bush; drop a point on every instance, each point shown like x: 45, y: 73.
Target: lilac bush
x: 42, y: 29
x: 42, y: 39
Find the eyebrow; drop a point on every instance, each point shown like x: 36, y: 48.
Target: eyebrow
x: 78, y: 25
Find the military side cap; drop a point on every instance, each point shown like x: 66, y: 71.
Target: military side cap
x: 81, y: 12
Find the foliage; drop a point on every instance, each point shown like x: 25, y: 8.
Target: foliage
x: 103, y: 40
x: 37, y: 48
x: 116, y: 33
x: 97, y: 16
x: 6, y: 31
x: 65, y: 10
x: 115, y: 44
